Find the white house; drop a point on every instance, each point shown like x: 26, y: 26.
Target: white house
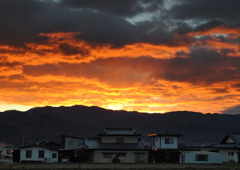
x: 164, y: 141
x: 165, y: 147
x: 229, y: 147
x: 122, y: 144
x: 200, y: 157
x: 38, y: 153
x: 71, y: 142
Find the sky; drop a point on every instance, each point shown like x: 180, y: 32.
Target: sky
x: 151, y: 56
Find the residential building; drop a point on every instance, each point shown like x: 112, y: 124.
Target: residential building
x: 71, y: 142
x: 117, y: 145
x: 165, y: 147
x: 6, y: 150
x: 229, y: 147
x: 38, y: 153
x: 200, y: 157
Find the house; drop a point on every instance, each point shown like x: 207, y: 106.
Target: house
x: 117, y: 145
x: 71, y: 142
x: 229, y: 147
x: 200, y: 157
x: 68, y: 147
x: 165, y: 147
x: 6, y: 150
x: 38, y: 153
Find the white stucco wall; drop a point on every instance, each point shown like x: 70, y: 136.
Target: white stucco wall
x: 130, y: 156
x: 225, y: 156
x: 112, y: 139
x: 190, y: 157
x: 160, y: 142
x: 35, y: 150
x: 72, y: 143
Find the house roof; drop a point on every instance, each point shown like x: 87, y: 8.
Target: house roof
x: 95, y: 143
x: 119, y: 132
x: 163, y: 134
x: 235, y: 136
x: 72, y: 136
x: 41, y: 146
x: 5, y: 144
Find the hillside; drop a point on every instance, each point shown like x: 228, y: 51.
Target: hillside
x: 88, y: 121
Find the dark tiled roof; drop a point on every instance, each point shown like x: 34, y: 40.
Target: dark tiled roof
x: 41, y: 146
x: 119, y: 131
x: 95, y: 143
x: 163, y: 134
x: 235, y: 136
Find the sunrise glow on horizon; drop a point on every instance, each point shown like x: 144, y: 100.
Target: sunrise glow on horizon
x: 157, y: 64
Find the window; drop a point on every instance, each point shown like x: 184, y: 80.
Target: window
x: 139, y: 156
x: 169, y: 141
x: 230, y: 153
x: 121, y: 154
x: 107, y: 155
x: 28, y: 154
x: 153, y: 141
x: 120, y: 140
x: 69, y: 143
x: 41, y: 154
x: 54, y: 155
x: 201, y: 157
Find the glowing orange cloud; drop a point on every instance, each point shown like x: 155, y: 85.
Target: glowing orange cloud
x: 65, y: 70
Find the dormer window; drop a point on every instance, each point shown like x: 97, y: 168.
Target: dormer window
x: 119, y: 140
x: 168, y: 140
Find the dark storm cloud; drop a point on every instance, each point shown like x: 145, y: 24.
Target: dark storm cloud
x: 204, y: 68
x: 206, y: 10
x: 232, y: 110
x: 105, y: 21
x: 117, y: 7
x: 71, y: 50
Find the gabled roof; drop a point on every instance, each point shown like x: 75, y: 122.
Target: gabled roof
x: 5, y: 144
x: 40, y: 146
x: 95, y: 143
x: 163, y: 134
x: 119, y: 132
x: 235, y: 136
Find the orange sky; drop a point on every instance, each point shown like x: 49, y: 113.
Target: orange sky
x: 64, y: 70
x: 149, y: 56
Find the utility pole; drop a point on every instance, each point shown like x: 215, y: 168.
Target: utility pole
x: 23, y: 136
x: 38, y: 128
x: 191, y: 126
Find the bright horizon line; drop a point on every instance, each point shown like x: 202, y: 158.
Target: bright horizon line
x: 5, y: 107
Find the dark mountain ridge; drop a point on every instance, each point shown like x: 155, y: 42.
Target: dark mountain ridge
x: 86, y: 121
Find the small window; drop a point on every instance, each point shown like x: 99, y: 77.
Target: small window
x: 201, y: 157
x: 70, y: 143
x: 139, y: 156
x: 54, y: 155
x: 169, y: 141
x: 28, y: 154
x: 41, y: 154
x: 107, y: 155
x: 230, y: 153
x: 120, y: 140
x: 153, y: 141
